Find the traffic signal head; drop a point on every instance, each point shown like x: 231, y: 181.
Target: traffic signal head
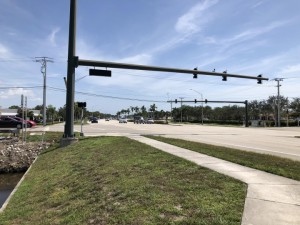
x: 176, y: 101
x: 195, y: 100
x: 195, y: 75
x: 258, y: 80
x: 81, y: 104
x: 205, y: 101
x: 224, y: 78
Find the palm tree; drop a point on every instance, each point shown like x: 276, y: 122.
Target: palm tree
x: 136, y: 109
x: 144, y: 111
x: 51, y: 112
x: 132, y: 109
x: 152, y: 109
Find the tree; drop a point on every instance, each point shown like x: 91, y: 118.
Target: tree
x: 152, y: 109
x: 137, y: 110
x: 144, y: 111
x: 51, y: 113
x: 62, y: 113
x: 132, y: 109
x: 14, y: 107
x: 295, y: 107
x: 254, y: 109
x: 30, y: 115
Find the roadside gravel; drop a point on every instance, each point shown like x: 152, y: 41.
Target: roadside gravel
x: 16, y: 156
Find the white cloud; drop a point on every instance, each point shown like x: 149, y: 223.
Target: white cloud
x: 137, y: 59
x: 191, y: 21
x: 243, y: 36
x: 254, y: 32
x: 15, y: 92
x: 291, y: 69
x: 52, y: 36
x: 3, y: 51
x: 257, y: 4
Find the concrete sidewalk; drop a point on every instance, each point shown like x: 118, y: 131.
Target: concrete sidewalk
x: 271, y: 199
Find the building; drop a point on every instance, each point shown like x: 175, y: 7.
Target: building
x: 14, y: 112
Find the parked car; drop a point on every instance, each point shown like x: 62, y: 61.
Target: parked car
x: 138, y: 119
x: 150, y: 121
x: 38, y: 120
x: 122, y: 120
x: 29, y: 123
x: 8, y: 122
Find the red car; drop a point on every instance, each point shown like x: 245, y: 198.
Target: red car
x: 8, y: 122
x: 29, y: 123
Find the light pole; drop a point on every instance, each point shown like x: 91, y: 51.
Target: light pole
x: 201, y: 104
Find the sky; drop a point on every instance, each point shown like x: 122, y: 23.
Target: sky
x: 242, y: 37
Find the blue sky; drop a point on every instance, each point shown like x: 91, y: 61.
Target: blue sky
x: 243, y: 37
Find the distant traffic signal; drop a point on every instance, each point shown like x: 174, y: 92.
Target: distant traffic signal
x: 205, y: 101
x: 195, y: 75
x: 176, y: 101
x: 195, y: 100
x: 258, y: 80
x: 81, y: 104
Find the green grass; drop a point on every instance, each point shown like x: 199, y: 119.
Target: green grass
x: 47, y: 137
x: 115, y: 180
x: 272, y: 164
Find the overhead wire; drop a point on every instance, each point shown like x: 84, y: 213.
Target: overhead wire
x: 107, y: 96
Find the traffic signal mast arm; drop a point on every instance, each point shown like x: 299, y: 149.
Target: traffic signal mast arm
x: 206, y: 101
x: 106, y: 64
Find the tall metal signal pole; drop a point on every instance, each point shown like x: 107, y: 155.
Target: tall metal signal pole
x: 43, y: 60
x: 278, y: 100
x: 74, y: 61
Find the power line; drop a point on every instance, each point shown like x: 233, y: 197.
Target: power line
x: 107, y: 96
x: 24, y: 87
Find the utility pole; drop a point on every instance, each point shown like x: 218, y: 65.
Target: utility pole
x: 22, y: 107
x: 171, y: 106
x: 278, y: 99
x: 181, y: 108
x: 43, y: 60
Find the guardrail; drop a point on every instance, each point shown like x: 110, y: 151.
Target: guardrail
x: 14, y: 131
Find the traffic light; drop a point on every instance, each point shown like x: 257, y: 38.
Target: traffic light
x: 176, y: 101
x: 195, y: 75
x: 81, y: 104
x: 195, y: 100
x: 258, y: 80
x: 224, y: 78
x: 205, y: 101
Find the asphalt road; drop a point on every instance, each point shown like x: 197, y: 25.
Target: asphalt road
x: 283, y: 142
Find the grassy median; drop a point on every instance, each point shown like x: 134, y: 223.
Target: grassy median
x: 272, y: 164
x: 115, y: 180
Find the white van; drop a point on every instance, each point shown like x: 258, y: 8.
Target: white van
x: 122, y: 120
